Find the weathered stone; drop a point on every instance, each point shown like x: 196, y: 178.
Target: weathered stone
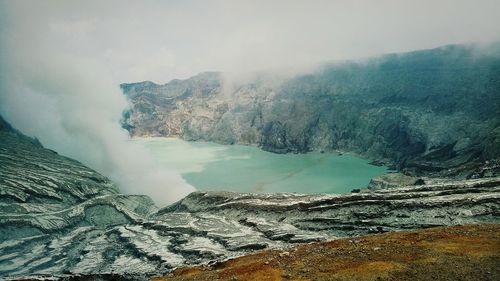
x: 432, y: 112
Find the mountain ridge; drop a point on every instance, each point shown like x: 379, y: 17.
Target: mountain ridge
x: 423, y: 112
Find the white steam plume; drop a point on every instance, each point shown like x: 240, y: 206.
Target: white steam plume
x: 73, y: 106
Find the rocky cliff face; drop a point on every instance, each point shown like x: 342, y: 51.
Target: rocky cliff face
x: 54, y: 210
x: 58, y: 217
x: 426, y: 112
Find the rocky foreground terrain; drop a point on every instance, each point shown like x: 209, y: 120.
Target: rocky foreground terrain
x: 469, y: 252
x: 61, y: 219
x: 425, y: 112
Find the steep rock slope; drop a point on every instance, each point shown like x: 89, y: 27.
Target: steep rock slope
x: 53, y: 208
x: 432, y: 112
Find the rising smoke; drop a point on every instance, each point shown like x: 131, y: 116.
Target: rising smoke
x: 71, y: 104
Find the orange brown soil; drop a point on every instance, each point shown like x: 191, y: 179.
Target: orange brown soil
x: 470, y: 252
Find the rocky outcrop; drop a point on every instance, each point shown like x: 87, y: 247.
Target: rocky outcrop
x: 470, y: 252
x: 206, y: 227
x: 31, y: 174
x: 60, y: 218
x: 431, y: 112
x: 161, y: 110
x: 420, y: 206
x: 391, y: 180
x: 53, y: 209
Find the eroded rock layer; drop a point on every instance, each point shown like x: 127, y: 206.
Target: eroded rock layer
x: 470, y: 252
x: 58, y: 217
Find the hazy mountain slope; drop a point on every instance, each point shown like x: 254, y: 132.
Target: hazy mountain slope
x: 425, y: 111
x: 30, y: 173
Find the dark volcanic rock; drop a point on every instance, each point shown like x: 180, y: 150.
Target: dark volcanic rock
x: 419, y: 182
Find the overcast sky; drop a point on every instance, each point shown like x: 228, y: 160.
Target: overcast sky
x: 162, y: 40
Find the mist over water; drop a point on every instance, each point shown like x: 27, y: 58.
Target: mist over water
x: 210, y: 166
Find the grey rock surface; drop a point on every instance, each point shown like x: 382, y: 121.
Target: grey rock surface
x: 60, y: 218
x: 391, y: 180
x: 432, y: 112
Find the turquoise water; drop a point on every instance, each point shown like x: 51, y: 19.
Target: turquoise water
x: 210, y: 166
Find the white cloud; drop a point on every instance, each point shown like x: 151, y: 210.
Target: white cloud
x: 162, y: 40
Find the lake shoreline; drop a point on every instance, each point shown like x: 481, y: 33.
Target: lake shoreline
x: 247, y: 168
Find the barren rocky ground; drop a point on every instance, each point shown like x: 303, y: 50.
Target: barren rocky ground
x: 470, y: 252
x: 63, y: 220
